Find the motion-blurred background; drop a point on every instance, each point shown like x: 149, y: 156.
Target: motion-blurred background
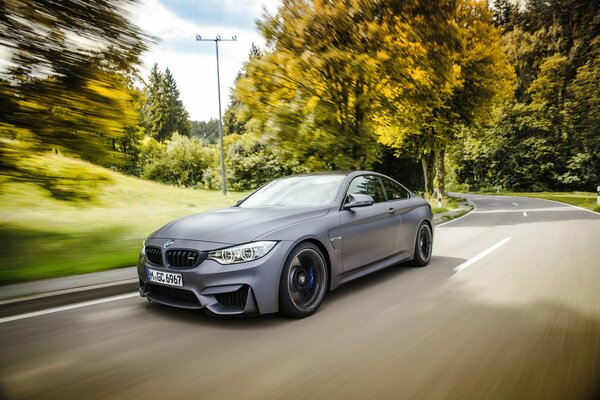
x: 98, y: 148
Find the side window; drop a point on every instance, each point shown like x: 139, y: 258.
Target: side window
x: 367, y: 184
x: 394, y: 191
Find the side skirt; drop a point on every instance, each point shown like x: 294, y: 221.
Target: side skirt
x: 368, y: 269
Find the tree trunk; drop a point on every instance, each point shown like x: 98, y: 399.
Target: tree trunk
x: 428, y: 163
x: 358, y: 158
x: 441, y: 170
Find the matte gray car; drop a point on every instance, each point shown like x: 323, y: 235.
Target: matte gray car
x: 284, y: 246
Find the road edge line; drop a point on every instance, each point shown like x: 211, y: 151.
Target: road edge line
x: 462, y: 216
x: 596, y: 213
x: 41, y: 301
x: 481, y: 255
x: 62, y: 292
x: 570, y: 205
x: 67, y: 307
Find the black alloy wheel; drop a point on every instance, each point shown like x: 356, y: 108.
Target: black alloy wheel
x: 423, y: 246
x: 304, y: 281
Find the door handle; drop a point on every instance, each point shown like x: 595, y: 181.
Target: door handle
x: 391, y: 211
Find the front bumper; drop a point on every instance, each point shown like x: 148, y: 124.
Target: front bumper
x: 245, y: 288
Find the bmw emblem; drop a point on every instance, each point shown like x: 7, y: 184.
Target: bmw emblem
x: 169, y: 243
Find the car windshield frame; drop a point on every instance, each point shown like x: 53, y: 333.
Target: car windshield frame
x: 297, y: 191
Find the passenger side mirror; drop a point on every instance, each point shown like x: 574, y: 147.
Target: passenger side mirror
x: 358, y: 200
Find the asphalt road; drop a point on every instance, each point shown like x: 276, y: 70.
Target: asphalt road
x: 509, y: 308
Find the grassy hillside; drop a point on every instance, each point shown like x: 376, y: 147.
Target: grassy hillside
x: 103, y: 228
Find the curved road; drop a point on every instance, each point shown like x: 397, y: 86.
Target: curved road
x: 509, y: 308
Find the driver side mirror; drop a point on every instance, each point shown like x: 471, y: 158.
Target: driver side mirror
x: 358, y: 200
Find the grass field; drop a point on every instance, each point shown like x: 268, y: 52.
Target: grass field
x: 581, y: 199
x: 43, y: 237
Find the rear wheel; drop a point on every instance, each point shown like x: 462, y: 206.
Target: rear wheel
x: 303, y: 281
x: 423, y: 246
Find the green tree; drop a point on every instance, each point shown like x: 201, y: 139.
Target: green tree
x: 178, y: 117
x: 62, y: 94
x: 180, y: 161
x: 482, y: 79
x: 234, y: 119
x: 252, y: 162
x: 338, y: 76
x: 504, y: 14
x: 153, y: 111
x: 128, y: 144
x: 486, y: 81
x: 163, y: 111
x: 582, y: 111
x: 546, y: 139
x: 206, y: 130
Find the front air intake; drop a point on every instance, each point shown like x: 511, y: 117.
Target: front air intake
x: 168, y: 293
x: 235, y: 299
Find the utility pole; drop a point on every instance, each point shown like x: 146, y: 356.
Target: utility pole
x: 218, y: 39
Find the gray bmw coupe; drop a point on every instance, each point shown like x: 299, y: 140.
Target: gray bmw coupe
x: 284, y: 246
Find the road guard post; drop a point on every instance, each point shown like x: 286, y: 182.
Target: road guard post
x: 598, y: 190
x: 438, y: 195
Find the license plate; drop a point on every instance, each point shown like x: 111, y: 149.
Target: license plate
x: 166, y: 278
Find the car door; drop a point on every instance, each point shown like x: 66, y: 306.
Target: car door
x: 369, y: 233
x: 398, y: 199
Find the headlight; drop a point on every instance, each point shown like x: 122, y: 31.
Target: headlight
x: 143, y: 251
x: 242, y: 253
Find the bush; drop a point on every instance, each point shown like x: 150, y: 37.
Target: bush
x: 181, y: 161
x: 251, y: 162
x: 457, y: 187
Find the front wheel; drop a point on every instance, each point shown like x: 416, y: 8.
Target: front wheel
x: 303, y: 281
x: 423, y: 246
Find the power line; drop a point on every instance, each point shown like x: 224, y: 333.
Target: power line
x: 218, y: 39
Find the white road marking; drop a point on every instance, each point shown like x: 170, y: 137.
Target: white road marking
x: 68, y: 307
x: 516, y: 204
x: 512, y: 210
x: 572, y: 206
x: 481, y: 255
x: 524, y: 213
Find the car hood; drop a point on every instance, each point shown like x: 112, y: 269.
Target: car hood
x: 236, y: 224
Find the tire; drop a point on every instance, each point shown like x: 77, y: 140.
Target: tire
x: 423, y: 245
x: 304, y: 281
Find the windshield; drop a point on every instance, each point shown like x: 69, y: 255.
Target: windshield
x: 301, y: 191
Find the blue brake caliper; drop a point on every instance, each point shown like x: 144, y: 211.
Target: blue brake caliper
x: 311, y: 278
